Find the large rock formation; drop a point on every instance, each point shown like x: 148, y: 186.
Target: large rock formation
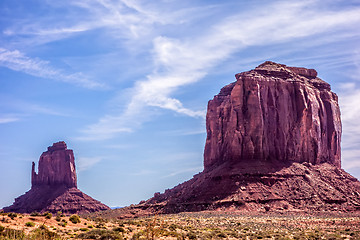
x: 274, y: 112
x: 273, y: 144
x: 54, y: 187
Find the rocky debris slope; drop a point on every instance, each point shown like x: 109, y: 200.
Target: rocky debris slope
x: 273, y: 144
x: 54, y: 187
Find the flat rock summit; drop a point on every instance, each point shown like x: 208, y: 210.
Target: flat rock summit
x: 54, y: 187
x: 273, y: 144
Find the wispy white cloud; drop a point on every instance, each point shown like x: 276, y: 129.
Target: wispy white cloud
x: 180, y: 62
x: 107, y: 127
x: 84, y: 163
x: 187, y: 170
x: 8, y: 119
x: 18, y: 61
x: 186, y: 132
x: 122, y: 19
x: 143, y: 172
x: 177, y: 61
x: 350, y: 114
x: 119, y: 146
x: 15, y: 109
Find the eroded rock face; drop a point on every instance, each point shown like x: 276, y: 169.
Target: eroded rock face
x: 54, y: 187
x: 274, y: 112
x: 56, y: 167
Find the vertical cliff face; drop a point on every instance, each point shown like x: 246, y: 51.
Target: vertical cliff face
x: 274, y: 113
x: 56, y: 167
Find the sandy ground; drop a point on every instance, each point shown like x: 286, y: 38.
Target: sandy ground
x: 199, y: 226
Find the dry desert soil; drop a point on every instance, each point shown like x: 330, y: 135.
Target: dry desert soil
x: 205, y: 225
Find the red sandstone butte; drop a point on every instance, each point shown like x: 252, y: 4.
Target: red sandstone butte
x: 54, y: 187
x: 274, y: 112
x: 273, y: 145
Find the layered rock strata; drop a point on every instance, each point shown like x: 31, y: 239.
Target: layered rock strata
x: 273, y: 144
x: 54, y: 187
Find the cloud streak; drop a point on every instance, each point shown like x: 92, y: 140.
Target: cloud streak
x: 181, y: 62
x: 177, y: 61
x: 5, y: 119
x: 17, y: 61
x: 85, y: 163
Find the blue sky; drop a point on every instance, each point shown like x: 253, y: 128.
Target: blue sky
x: 126, y: 83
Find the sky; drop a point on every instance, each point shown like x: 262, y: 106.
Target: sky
x: 125, y: 83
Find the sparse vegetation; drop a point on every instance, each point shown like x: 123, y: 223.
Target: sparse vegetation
x: 100, y: 234
x: 30, y: 224
x: 182, y: 226
x: 48, y: 215
x: 63, y: 223
x: 35, y: 214
x: 74, y: 219
x: 12, y: 215
x: 58, y: 218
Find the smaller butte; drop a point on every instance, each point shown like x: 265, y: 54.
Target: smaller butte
x: 54, y: 187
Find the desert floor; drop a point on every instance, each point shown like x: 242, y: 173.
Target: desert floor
x: 182, y: 226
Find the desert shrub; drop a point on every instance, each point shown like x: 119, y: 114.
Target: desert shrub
x: 35, y: 214
x: 12, y: 215
x: 2, y: 228
x: 43, y: 232
x: 48, y: 215
x: 8, y: 233
x: 58, y: 218
x: 173, y: 227
x: 60, y: 214
x: 100, y: 225
x: 74, y: 219
x: 191, y: 235
x: 84, y: 229
x: 63, y: 223
x: 119, y: 229
x: 100, y: 234
x: 137, y: 236
x: 30, y: 224
x: 221, y: 235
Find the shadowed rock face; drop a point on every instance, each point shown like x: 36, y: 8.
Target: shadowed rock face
x: 273, y: 144
x: 274, y: 112
x: 54, y: 187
